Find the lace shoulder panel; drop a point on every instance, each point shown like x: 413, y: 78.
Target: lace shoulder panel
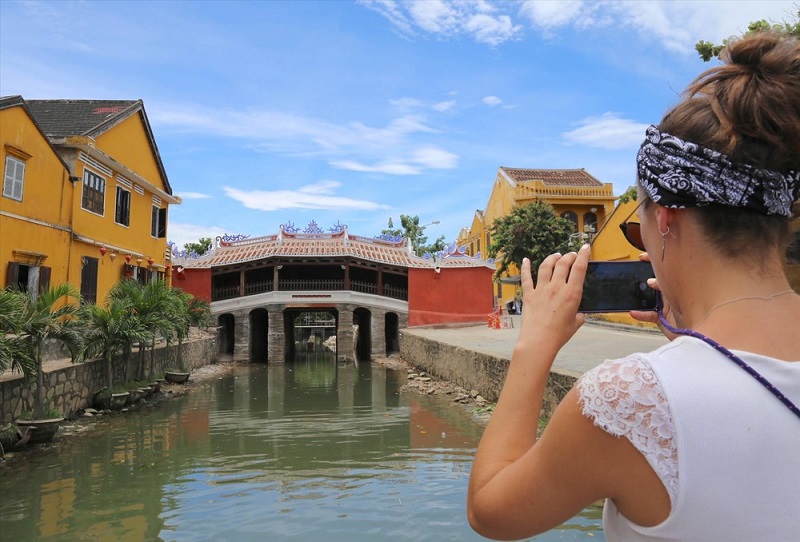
x: 624, y: 398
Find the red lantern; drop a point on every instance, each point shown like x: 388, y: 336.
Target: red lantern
x: 103, y: 251
x: 127, y: 258
x: 150, y: 261
x: 168, y: 267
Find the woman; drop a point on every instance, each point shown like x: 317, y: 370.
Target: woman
x: 682, y: 442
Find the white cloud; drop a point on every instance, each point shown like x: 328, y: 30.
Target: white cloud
x: 406, y: 102
x: 608, y: 131
x: 449, y: 18
x: 445, y: 106
x: 387, y: 167
x: 434, y: 158
x: 320, y: 195
x: 492, y: 101
x: 348, y: 146
x: 554, y: 13
x: 677, y: 25
x: 193, y: 195
x: 492, y: 30
x: 417, y: 160
x: 183, y: 232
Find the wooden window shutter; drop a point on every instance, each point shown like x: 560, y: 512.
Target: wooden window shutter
x: 162, y: 223
x: 89, y: 280
x: 13, y: 274
x: 44, y: 278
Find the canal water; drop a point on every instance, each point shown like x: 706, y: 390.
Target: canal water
x: 308, y: 451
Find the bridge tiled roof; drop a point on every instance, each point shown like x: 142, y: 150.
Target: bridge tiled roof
x: 324, y: 245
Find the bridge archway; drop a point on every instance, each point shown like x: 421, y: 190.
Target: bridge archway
x: 227, y: 324
x: 259, y: 335
x: 363, y: 319
x: 306, y: 331
x: 392, y: 333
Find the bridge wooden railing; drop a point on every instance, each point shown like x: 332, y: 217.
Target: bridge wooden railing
x: 296, y: 285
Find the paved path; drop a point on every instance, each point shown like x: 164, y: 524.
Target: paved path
x: 592, y: 344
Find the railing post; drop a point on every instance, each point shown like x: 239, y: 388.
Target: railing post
x: 241, y: 283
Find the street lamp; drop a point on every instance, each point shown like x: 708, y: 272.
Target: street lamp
x: 435, y: 222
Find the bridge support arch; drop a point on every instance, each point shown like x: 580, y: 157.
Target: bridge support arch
x: 260, y: 328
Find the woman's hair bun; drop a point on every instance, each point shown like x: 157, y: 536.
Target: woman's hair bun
x: 752, y: 101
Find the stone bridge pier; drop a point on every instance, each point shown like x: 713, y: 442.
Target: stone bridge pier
x: 266, y: 333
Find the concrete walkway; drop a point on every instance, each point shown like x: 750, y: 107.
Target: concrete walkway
x: 594, y: 342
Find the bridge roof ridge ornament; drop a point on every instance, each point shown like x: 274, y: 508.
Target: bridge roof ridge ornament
x: 337, y: 242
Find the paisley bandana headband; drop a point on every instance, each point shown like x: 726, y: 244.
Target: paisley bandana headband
x: 677, y: 174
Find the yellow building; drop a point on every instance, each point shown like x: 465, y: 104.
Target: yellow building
x: 610, y: 243
x: 574, y: 194
x: 85, y: 195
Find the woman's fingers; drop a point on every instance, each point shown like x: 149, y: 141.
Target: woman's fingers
x: 545, y: 273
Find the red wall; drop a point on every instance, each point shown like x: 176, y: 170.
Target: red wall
x: 453, y: 295
x: 194, y: 281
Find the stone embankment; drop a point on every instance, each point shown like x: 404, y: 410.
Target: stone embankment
x: 68, y: 387
x: 475, y: 369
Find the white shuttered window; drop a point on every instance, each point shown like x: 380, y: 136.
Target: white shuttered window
x: 13, y: 178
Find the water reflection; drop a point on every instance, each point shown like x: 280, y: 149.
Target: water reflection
x: 296, y: 452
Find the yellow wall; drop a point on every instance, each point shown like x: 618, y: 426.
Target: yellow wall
x: 610, y: 244
x: 137, y: 156
x: 125, y: 142
x: 505, y: 196
x: 46, y: 200
x: 79, y: 233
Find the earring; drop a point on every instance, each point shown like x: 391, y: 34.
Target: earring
x: 663, y: 241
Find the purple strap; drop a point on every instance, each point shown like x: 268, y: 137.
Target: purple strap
x: 731, y: 356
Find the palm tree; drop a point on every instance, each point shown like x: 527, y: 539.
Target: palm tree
x: 152, y: 306
x: 188, y: 311
x: 50, y: 315
x: 12, y: 353
x: 110, y: 331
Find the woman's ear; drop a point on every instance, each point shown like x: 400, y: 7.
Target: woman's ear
x: 665, y: 218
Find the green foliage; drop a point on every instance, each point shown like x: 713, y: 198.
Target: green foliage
x: 629, y: 195
x: 708, y: 50
x: 530, y: 231
x: 200, y: 247
x: 412, y: 230
x: 49, y: 315
x: 13, y: 355
x: 110, y: 331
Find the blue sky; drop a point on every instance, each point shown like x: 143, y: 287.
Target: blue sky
x: 267, y: 112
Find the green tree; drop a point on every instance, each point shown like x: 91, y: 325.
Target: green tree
x: 152, y: 305
x: 531, y: 231
x: 708, y: 50
x: 200, y: 247
x: 13, y: 355
x: 411, y: 229
x: 186, y: 311
x: 629, y: 194
x: 110, y: 331
x: 46, y: 316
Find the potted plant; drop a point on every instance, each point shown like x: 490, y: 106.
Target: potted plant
x: 184, y: 311
x: 42, y: 428
x: 110, y: 331
x: 45, y: 316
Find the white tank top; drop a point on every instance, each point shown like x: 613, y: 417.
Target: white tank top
x: 725, y: 448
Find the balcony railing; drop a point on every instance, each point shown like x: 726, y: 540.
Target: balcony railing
x: 315, y: 285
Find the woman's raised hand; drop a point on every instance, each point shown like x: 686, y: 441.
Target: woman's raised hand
x: 550, y: 315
